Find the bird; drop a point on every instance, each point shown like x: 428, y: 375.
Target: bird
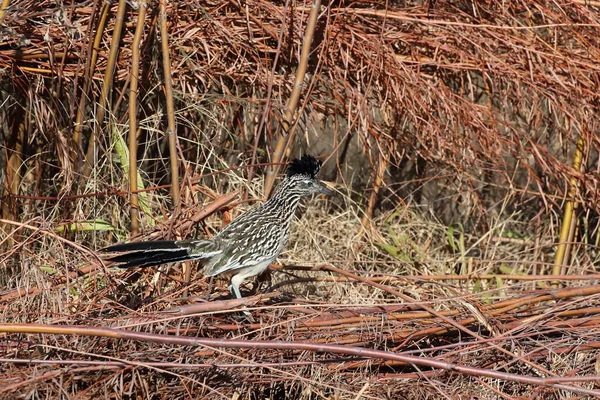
x: 246, y: 246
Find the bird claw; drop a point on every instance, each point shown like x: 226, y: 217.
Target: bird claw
x: 249, y: 316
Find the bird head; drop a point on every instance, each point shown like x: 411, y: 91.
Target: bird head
x: 302, y: 176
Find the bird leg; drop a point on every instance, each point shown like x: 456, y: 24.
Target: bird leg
x: 234, y: 288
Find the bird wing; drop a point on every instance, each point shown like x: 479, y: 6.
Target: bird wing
x: 248, y: 244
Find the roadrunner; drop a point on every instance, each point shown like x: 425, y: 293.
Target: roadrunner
x: 246, y: 246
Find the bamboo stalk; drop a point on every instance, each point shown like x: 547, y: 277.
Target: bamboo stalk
x: 288, y: 133
x: 92, y: 57
x: 133, y: 126
x: 171, y: 132
x: 567, y: 229
x: 5, y: 4
x: 13, y: 182
x: 90, y: 158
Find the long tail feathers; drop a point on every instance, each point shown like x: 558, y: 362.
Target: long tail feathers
x: 149, y: 245
x: 151, y: 253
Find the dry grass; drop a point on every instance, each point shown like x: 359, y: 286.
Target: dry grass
x: 544, y: 336
x: 450, y: 128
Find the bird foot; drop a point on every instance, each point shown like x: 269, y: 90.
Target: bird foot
x: 249, y: 316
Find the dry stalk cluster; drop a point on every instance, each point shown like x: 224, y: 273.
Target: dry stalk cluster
x: 451, y: 129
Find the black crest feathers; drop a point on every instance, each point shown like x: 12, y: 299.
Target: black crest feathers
x: 306, y: 165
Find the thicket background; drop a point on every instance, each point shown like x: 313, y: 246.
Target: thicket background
x: 455, y: 133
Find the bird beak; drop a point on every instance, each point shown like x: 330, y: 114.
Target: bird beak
x: 323, y: 189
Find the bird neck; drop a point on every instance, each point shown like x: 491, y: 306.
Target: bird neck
x: 285, y: 199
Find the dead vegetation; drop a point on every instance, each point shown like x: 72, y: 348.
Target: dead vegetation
x: 450, y: 129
